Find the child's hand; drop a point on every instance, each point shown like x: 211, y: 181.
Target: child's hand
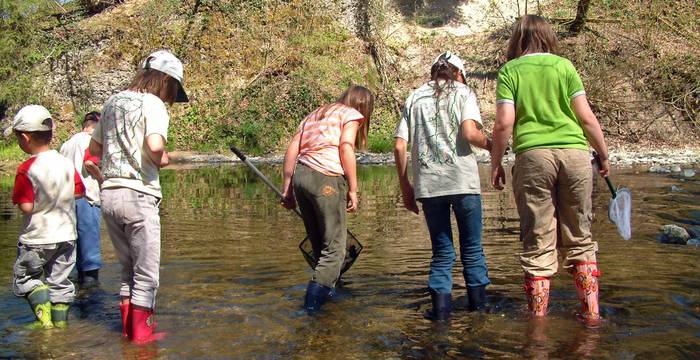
x: 352, y: 201
x: 409, y: 199
x: 498, y: 176
x: 288, y: 201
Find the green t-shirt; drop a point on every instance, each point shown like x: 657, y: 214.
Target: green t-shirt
x: 541, y: 86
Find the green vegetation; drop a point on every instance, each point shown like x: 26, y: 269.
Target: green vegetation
x: 255, y: 68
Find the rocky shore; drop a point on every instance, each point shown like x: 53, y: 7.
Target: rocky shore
x: 657, y: 159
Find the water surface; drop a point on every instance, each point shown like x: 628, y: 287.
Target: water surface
x: 233, y: 281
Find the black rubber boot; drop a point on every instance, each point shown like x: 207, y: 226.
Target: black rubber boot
x: 88, y: 279
x: 477, y: 298
x: 442, y: 306
x: 316, y: 295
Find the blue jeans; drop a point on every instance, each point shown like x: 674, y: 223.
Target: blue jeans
x: 88, y: 227
x: 467, y: 209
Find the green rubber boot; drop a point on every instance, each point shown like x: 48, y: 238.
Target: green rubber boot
x: 41, y: 307
x: 59, y: 314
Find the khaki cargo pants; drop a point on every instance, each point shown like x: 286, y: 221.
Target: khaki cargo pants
x: 553, y: 190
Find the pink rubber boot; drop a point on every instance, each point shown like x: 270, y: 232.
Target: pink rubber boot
x: 537, y: 292
x: 126, y: 319
x: 143, y: 326
x: 586, y: 276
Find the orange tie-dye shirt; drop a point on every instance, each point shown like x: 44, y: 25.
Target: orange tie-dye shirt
x: 320, y: 137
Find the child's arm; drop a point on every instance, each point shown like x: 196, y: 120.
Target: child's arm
x: 290, y: 162
x: 155, y: 146
x: 502, y: 130
x: 90, y: 163
x: 347, y: 160
x: 401, y: 159
x: 474, y: 136
x: 594, y: 133
x: 26, y: 208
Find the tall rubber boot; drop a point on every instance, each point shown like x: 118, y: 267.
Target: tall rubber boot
x: 41, y: 307
x: 586, y: 276
x: 143, y: 326
x: 124, y: 309
x: 442, y: 306
x: 59, y: 314
x: 477, y: 298
x: 89, y: 279
x: 537, y: 292
x: 316, y: 295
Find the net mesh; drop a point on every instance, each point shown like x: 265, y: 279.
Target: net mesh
x: 620, y: 212
x: 353, y: 248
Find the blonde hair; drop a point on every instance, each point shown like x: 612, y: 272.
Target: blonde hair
x: 362, y: 100
x: 531, y: 34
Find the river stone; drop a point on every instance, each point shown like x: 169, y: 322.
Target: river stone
x: 688, y: 173
x: 673, y: 234
x: 694, y: 242
x: 676, y: 188
x: 676, y: 168
x: 659, y: 169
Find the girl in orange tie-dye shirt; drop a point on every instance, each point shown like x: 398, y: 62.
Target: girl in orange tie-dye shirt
x: 319, y: 175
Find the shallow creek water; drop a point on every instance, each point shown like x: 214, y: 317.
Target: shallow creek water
x: 233, y: 281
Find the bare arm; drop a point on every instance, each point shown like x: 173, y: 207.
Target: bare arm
x: 591, y: 128
x: 474, y: 136
x: 502, y: 130
x: 401, y: 159
x: 347, y: 160
x: 93, y: 170
x: 155, y: 146
x: 290, y: 162
x: 26, y: 208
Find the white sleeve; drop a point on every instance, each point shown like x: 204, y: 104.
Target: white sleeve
x: 470, y: 108
x: 156, y: 116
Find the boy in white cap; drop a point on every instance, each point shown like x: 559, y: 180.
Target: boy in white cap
x: 46, y: 186
x: 130, y: 140
x: 441, y: 120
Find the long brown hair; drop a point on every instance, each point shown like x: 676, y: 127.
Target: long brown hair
x: 531, y: 34
x: 157, y: 83
x: 362, y: 100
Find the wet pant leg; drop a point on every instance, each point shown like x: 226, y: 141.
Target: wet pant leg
x: 88, y: 227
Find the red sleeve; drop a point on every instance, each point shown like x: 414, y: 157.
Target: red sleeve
x: 23, y: 191
x: 79, y: 187
x: 90, y: 157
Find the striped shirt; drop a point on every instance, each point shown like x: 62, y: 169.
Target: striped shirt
x: 320, y: 137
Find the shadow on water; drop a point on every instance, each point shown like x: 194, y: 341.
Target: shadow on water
x: 232, y: 282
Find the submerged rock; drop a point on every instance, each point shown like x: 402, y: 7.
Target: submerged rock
x: 694, y: 242
x: 694, y: 231
x: 659, y: 169
x: 673, y: 234
x: 676, y: 188
x: 688, y: 173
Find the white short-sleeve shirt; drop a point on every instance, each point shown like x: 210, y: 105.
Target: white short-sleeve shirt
x: 127, y: 119
x: 443, y: 162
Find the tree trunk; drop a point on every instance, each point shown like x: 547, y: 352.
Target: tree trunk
x: 581, y: 16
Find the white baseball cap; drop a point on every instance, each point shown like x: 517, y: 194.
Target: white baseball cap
x: 33, y: 118
x: 453, y: 59
x: 165, y: 61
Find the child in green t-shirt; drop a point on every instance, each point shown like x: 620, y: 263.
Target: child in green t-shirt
x: 542, y: 103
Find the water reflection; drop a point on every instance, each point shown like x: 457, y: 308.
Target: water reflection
x: 233, y: 281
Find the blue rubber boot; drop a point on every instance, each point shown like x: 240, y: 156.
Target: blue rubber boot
x: 316, y: 295
x: 442, y: 306
x: 477, y: 298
